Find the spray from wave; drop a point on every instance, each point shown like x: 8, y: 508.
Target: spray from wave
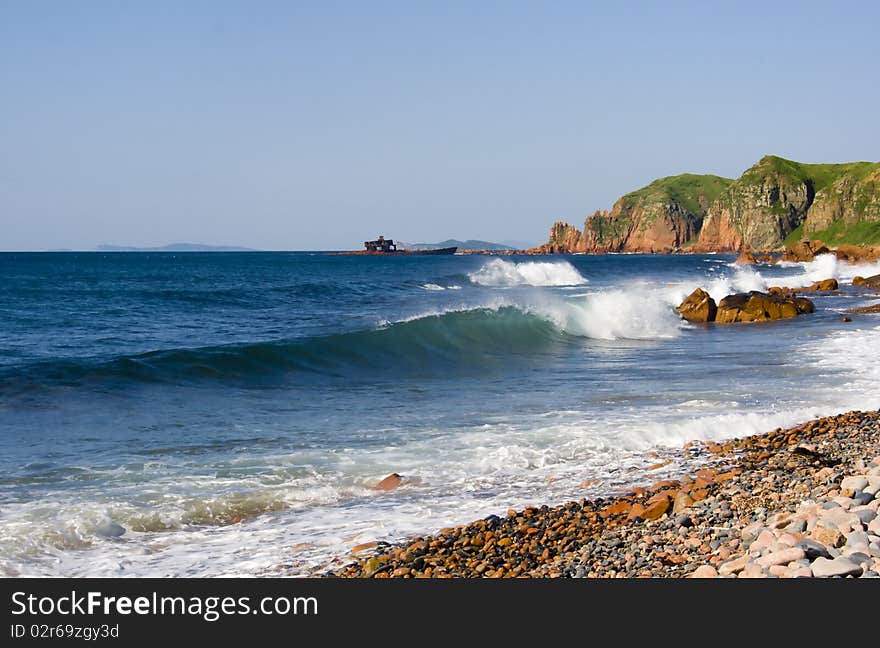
x: 632, y: 314
x: 500, y: 273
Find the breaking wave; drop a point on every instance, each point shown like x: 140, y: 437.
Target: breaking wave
x: 500, y: 273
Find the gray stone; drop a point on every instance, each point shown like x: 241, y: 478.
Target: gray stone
x: 110, y: 529
x: 857, y: 539
x: 813, y: 549
x: 824, y: 568
x: 865, y: 515
x: 851, y: 485
x: 683, y: 520
x: 796, y: 526
x: 859, y: 558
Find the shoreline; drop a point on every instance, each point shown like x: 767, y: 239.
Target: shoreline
x: 795, y: 502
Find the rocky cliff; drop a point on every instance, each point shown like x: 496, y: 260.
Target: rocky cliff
x: 662, y: 217
x: 774, y: 202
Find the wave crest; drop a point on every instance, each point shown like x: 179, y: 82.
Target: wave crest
x: 500, y: 273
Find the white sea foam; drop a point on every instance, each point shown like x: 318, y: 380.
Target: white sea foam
x: 500, y: 273
x: 634, y: 313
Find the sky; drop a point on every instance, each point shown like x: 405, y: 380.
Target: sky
x: 318, y: 125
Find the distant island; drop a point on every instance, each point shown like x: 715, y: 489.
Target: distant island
x: 776, y: 202
x: 469, y: 244
x: 174, y: 247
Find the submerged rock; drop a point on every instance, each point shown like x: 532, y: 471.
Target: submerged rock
x: 110, y: 529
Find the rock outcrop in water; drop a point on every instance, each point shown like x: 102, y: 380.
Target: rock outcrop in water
x: 760, y: 307
x: 753, y: 306
x: 804, y: 251
x: 699, y: 307
x: 869, y: 282
x: 774, y: 203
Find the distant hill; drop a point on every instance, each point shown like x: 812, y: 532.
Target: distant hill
x: 174, y: 247
x: 470, y: 244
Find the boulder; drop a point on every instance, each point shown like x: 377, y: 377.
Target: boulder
x: 746, y: 258
x: 656, y: 510
x: 760, y: 307
x: 704, y: 571
x: 870, y: 282
x: 804, y: 251
x: 781, y: 291
x: 857, y: 253
x: 391, y: 482
x: 698, y: 307
x: 824, y: 285
x: 824, y: 568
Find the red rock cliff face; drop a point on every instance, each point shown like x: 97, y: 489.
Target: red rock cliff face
x: 564, y: 239
x: 628, y: 227
x: 643, y: 226
x: 718, y: 234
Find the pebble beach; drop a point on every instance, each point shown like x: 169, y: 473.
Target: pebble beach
x: 793, y: 503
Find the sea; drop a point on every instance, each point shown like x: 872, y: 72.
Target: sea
x: 229, y: 414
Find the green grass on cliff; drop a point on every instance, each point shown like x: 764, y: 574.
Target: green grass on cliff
x: 686, y: 190
x: 820, y: 176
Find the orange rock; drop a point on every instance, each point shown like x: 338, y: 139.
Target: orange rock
x: 660, y: 485
x: 363, y: 547
x: 823, y: 285
x: 637, y: 510
x: 828, y: 537
x: 391, y: 482
x: 699, y: 494
x: 698, y: 307
x: 669, y: 493
x: 657, y: 509
x: 617, y: 508
x: 681, y: 502
x: 720, y: 479
x: 746, y: 258
x: 657, y: 466
x: 870, y: 282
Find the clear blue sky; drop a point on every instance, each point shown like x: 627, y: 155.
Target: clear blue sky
x: 285, y: 125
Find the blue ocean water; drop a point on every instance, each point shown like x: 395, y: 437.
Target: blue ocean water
x: 219, y: 413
